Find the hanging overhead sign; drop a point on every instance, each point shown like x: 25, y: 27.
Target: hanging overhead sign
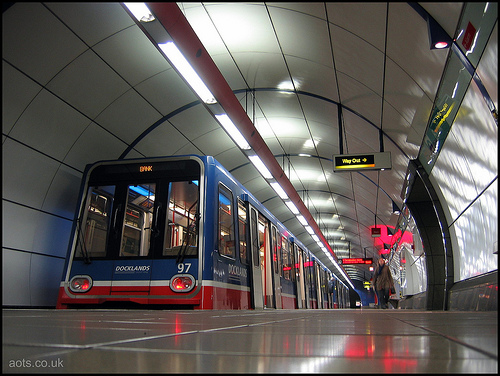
x: 356, y: 260
x: 357, y: 162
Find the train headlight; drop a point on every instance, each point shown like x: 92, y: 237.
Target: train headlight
x: 80, y: 283
x: 182, y: 283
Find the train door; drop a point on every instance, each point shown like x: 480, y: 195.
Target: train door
x: 267, y: 275
x: 257, y: 236
x: 265, y: 253
x: 324, y: 287
x: 299, y: 273
x: 317, y: 277
x: 307, y: 280
x: 276, y: 265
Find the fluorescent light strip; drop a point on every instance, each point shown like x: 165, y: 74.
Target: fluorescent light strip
x: 302, y: 220
x: 277, y: 188
x: 140, y: 11
x: 234, y: 133
x: 292, y: 207
x: 187, y: 71
x: 309, y: 230
x: 257, y: 162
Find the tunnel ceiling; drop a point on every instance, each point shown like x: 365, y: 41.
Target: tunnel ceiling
x: 292, y: 66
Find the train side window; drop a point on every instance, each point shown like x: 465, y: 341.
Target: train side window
x: 276, y: 247
x: 93, y: 233
x: 286, y: 259
x: 226, y: 223
x: 263, y: 233
x: 254, y: 236
x: 293, y: 261
x: 242, y: 231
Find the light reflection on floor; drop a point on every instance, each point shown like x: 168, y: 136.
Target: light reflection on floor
x: 299, y: 341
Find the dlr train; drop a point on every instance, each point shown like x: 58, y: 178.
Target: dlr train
x: 181, y: 232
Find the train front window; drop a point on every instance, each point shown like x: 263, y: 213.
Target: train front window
x: 138, y: 221
x: 181, y: 233
x: 92, y: 234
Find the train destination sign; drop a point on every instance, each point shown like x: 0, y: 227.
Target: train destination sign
x: 357, y: 260
x: 357, y: 162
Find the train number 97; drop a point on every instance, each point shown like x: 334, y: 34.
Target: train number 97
x: 183, y: 268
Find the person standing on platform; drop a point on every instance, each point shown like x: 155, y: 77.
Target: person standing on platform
x: 382, y: 283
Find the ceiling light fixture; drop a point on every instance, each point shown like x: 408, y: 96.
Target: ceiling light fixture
x: 292, y: 207
x: 395, y: 209
x: 140, y: 11
x: 438, y: 37
x: 440, y: 45
x: 302, y: 220
x: 277, y: 188
x: 233, y: 132
x: 257, y: 162
x: 187, y: 71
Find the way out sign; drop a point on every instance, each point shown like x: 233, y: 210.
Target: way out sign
x: 358, y: 162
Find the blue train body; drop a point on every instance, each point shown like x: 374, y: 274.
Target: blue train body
x: 182, y: 232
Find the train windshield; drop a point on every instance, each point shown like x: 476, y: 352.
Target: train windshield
x: 92, y: 238
x: 181, y: 234
x: 139, y: 220
x: 130, y: 219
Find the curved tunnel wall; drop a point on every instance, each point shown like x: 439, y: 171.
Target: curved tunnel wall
x: 50, y: 132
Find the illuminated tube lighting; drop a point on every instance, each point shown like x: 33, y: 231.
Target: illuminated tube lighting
x: 292, y: 207
x: 277, y: 188
x: 302, y: 220
x: 187, y: 71
x: 257, y: 162
x: 140, y: 11
x: 235, y: 134
x: 309, y: 230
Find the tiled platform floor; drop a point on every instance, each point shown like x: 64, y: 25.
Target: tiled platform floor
x: 269, y: 341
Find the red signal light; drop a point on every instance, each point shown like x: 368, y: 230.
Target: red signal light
x: 182, y: 283
x: 80, y: 283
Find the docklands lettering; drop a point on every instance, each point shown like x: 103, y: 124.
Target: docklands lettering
x: 237, y: 270
x: 132, y: 268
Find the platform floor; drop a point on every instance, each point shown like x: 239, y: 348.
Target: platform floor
x: 269, y: 341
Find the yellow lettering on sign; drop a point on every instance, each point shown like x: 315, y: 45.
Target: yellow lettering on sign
x: 145, y: 168
x: 444, y: 116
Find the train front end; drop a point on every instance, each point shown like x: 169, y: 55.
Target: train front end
x: 138, y: 237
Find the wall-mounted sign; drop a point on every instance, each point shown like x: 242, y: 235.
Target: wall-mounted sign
x: 376, y: 232
x: 357, y: 162
x: 469, y: 36
x: 442, y: 118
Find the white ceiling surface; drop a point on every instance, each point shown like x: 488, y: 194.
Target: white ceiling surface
x: 106, y: 84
